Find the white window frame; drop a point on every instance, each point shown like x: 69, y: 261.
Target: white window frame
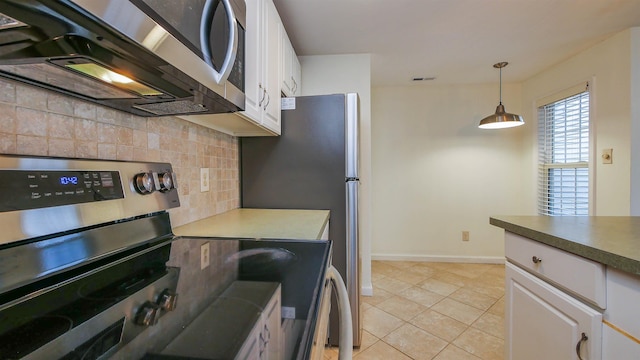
x: 544, y: 167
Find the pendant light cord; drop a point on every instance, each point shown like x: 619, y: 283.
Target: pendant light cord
x: 500, y: 85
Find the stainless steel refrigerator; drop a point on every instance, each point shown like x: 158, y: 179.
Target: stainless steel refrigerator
x: 313, y: 165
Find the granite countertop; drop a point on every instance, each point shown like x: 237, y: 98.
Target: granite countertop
x: 260, y: 224
x: 611, y: 240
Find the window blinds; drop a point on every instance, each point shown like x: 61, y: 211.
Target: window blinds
x: 563, y: 143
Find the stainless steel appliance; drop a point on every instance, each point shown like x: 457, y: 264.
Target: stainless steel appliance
x: 313, y: 165
x: 145, y: 57
x: 83, y: 255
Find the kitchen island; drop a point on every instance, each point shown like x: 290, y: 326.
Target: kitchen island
x: 572, y: 287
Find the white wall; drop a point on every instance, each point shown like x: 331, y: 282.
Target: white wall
x: 635, y: 121
x: 608, y: 66
x: 332, y: 74
x: 436, y: 174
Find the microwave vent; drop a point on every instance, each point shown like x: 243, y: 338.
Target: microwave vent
x: 172, y: 107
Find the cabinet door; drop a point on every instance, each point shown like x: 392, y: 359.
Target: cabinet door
x: 543, y: 322
x: 250, y: 350
x: 296, y: 74
x: 271, y: 105
x: 253, y: 61
x: 287, y: 63
x: 272, y: 330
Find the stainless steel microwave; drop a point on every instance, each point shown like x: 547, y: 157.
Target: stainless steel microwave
x: 146, y: 57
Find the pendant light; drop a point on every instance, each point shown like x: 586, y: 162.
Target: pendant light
x: 501, y: 119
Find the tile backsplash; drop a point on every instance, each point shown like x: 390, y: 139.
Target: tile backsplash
x: 39, y: 122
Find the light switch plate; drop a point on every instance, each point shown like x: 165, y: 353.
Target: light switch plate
x: 204, y: 179
x: 607, y: 156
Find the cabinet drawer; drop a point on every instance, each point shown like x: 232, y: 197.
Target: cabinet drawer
x: 583, y: 277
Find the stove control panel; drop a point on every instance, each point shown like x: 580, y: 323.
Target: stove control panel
x: 32, y: 189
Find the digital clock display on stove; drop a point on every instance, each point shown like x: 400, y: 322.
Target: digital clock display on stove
x: 68, y: 180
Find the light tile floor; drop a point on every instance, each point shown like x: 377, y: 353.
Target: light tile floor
x: 439, y: 311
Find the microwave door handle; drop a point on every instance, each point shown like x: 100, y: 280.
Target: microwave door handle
x: 232, y: 47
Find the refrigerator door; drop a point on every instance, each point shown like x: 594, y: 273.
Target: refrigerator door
x: 352, y: 136
x: 353, y: 259
x: 304, y: 168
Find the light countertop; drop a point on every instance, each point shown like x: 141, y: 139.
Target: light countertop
x: 260, y: 224
x: 610, y: 240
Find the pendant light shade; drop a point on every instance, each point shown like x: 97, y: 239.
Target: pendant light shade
x: 501, y: 119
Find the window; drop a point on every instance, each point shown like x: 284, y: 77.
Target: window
x: 563, y: 143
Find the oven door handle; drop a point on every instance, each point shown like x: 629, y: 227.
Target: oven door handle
x: 345, y: 342
x: 205, y: 38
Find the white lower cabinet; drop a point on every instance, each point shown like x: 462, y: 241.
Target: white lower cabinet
x: 547, y: 297
x: 553, y: 297
x: 545, y: 323
x: 265, y: 339
x: 621, y: 328
x: 272, y: 329
x: 251, y: 347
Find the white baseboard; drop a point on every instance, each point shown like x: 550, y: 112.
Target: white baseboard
x: 441, y: 258
x: 366, y: 290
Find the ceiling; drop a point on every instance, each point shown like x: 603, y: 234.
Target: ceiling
x: 456, y: 41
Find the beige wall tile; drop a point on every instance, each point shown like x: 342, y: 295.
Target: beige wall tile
x: 8, y: 92
x: 31, y: 122
x: 107, y: 151
x: 60, y: 104
x: 8, y: 143
x: 124, y: 136
x: 107, y: 133
x: 87, y: 149
x: 61, y: 126
x: 31, y: 145
x: 61, y: 147
x: 86, y: 130
x: 7, y: 118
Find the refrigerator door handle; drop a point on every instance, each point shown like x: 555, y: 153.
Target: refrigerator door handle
x: 352, y: 275
x: 352, y: 137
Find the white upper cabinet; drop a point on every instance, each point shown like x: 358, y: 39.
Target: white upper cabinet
x: 291, y: 71
x: 262, y: 69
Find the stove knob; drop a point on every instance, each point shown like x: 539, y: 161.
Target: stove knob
x: 166, y: 181
x: 167, y: 300
x: 147, y: 314
x: 143, y: 183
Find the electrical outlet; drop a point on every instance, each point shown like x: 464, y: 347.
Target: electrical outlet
x: 288, y: 312
x: 465, y: 236
x: 204, y: 256
x: 204, y: 179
